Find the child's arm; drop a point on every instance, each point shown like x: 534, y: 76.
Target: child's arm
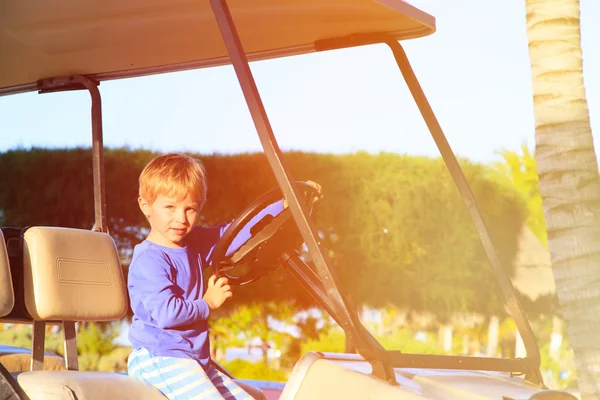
x: 151, y: 283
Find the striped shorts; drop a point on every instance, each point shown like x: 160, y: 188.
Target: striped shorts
x: 182, y: 378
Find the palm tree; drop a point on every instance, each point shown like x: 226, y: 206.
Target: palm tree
x: 521, y: 170
x: 569, y: 180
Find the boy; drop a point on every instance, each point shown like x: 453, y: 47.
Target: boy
x: 169, y: 330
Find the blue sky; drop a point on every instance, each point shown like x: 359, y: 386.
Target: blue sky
x: 474, y: 70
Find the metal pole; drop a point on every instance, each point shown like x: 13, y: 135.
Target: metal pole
x: 78, y: 82
x: 349, y: 322
x: 460, y: 180
x: 100, y: 221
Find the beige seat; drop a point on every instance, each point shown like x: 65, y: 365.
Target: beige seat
x: 16, y: 361
x: 57, y: 385
x: 314, y: 377
x: 75, y: 275
x: 7, y: 296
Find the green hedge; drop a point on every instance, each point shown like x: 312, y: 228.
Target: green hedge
x: 394, y: 226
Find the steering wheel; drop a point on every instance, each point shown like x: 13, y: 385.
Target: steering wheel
x: 270, y: 238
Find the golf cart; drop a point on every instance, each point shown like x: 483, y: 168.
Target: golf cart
x: 57, y: 275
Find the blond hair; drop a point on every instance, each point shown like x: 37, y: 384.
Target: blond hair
x: 175, y: 175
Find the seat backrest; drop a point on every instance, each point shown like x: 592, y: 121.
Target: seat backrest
x: 7, y: 294
x: 315, y: 377
x: 72, y: 275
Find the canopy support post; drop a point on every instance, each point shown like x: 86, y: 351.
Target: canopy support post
x: 512, y: 303
x: 79, y: 82
x: 370, y: 349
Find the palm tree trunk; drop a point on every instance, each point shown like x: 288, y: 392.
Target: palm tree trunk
x: 569, y: 179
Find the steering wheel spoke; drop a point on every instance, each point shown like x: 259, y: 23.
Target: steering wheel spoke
x: 270, y: 238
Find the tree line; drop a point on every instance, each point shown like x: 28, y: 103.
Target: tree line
x: 394, y: 226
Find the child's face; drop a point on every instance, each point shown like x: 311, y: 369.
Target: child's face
x: 171, y: 220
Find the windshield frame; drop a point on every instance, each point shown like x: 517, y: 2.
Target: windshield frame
x: 382, y: 361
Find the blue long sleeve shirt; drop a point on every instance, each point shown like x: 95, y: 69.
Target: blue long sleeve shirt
x: 166, y: 287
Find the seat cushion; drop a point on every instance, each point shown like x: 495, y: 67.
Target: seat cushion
x: 21, y: 362
x: 71, y: 385
x: 75, y: 385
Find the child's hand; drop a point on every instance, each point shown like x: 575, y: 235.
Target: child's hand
x: 217, y: 292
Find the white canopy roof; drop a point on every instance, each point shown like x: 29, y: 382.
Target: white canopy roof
x: 118, y: 38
